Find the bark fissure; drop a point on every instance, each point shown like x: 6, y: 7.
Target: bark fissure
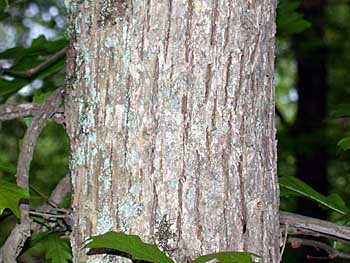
x: 188, y: 29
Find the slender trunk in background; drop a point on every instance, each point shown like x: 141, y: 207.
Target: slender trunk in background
x: 311, y: 156
x: 170, y: 111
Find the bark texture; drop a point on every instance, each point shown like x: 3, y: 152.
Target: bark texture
x: 170, y: 111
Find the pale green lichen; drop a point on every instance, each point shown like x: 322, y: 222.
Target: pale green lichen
x: 111, y: 42
x: 126, y: 54
x: 86, y: 55
x: 135, y: 189
x: 130, y: 208
x: 105, y: 220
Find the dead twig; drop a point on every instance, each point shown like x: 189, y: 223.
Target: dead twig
x: 312, y: 226
x: 13, y: 111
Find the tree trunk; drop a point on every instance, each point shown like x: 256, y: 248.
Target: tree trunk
x: 170, y: 111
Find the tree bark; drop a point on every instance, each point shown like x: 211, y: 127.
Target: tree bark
x: 170, y: 111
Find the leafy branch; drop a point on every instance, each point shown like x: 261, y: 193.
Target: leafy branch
x: 15, y: 242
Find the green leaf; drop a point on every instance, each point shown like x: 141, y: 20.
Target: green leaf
x: 337, y: 201
x: 41, y: 221
x: 48, y: 46
x: 40, y: 47
x: 129, y: 244
x: 52, y: 69
x: 13, y: 53
x: 288, y: 19
x: 57, y: 249
x: 38, y: 237
x: 3, y: 15
x: 302, y: 189
x: 342, y: 111
x: 24, y: 59
x: 40, y: 96
x: 344, y: 144
x: 9, y: 87
x: 226, y: 257
x: 10, y: 195
x: 27, y: 121
x: 344, y: 220
x: 7, y: 167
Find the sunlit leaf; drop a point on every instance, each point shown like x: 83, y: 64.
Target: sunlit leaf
x: 10, y: 195
x: 129, y: 244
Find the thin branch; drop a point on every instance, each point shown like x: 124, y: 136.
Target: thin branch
x: 57, y: 197
x: 30, y: 73
x: 306, y: 232
x: 332, y: 252
x: 51, y: 210
x: 62, y: 189
x: 284, y: 242
x: 15, y: 242
x: 47, y: 215
x: 308, y: 224
x: 13, y: 111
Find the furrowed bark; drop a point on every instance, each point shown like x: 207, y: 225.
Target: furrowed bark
x: 170, y: 111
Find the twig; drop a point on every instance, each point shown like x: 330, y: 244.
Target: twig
x: 57, y: 196
x: 47, y: 215
x: 308, y: 224
x: 15, y: 242
x: 30, y: 73
x: 50, y: 210
x: 332, y: 252
x: 284, y: 243
x: 13, y: 111
x: 306, y: 232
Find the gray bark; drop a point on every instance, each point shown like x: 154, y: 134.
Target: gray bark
x: 170, y: 111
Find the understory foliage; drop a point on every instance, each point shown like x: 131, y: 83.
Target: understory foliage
x: 30, y: 75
